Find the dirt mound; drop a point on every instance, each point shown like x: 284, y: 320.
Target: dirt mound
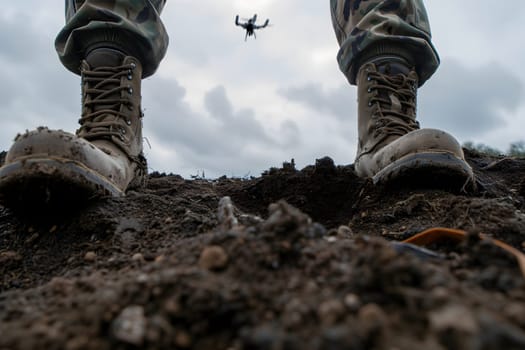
x: 290, y: 260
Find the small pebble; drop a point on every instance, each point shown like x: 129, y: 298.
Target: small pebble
x: 352, y: 302
x: 142, y: 278
x: 137, y: 257
x: 454, y: 316
x: 331, y: 239
x: 182, y: 339
x: 213, y: 258
x: 172, y: 307
x: 372, y: 316
x: 330, y: 311
x: 130, y: 325
x: 90, y: 256
x: 344, y: 231
x: 225, y: 213
x: 293, y: 313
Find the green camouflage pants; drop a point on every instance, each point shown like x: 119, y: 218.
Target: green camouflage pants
x: 371, y: 28
x: 131, y: 26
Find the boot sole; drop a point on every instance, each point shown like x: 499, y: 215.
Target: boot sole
x: 443, y: 170
x: 51, y: 182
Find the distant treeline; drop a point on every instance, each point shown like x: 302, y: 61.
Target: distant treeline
x: 516, y: 149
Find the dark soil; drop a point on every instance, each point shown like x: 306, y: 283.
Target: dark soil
x: 295, y: 260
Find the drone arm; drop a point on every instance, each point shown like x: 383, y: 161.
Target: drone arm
x: 237, y: 20
x: 264, y: 25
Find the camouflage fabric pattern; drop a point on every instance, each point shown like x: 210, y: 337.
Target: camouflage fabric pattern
x: 370, y: 28
x: 132, y: 26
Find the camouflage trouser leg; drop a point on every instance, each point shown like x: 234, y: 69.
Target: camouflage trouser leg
x: 132, y: 26
x: 371, y: 28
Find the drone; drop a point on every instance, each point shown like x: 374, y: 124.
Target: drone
x: 250, y: 26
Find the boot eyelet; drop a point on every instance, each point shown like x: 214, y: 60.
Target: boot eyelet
x: 133, y: 65
x: 128, y: 122
x: 130, y: 75
x: 130, y: 90
x: 368, y: 78
x: 369, y: 103
x: 369, y: 90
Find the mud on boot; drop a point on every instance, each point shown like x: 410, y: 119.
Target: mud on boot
x: 104, y: 158
x: 391, y: 145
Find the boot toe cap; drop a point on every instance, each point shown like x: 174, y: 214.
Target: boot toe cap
x: 44, y: 152
x: 423, y: 148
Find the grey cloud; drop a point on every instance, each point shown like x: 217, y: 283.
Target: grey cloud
x: 224, y: 128
x: 20, y: 42
x: 241, y: 124
x: 36, y: 89
x: 7, y: 91
x: 44, y: 90
x: 197, y: 34
x: 221, y: 140
x: 290, y: 134
x: 338, y: 102
x: 218, y: 104
x: 468, y: 102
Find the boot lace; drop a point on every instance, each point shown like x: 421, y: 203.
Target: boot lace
x: 103, y: 100
x: 390, y: 119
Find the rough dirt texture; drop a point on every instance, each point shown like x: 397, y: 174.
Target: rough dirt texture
x: 296, y: 260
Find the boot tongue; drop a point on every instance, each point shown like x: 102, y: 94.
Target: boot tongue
x: 395, y: 103
x: 104, y: 57
x: 393, y: 66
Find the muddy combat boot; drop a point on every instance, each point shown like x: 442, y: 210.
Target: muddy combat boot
x: 51, y: 167
x: 391, y: 144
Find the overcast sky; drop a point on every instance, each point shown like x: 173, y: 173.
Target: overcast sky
x: 223, y: 106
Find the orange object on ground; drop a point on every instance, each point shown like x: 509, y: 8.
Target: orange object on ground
x: 435, y: 234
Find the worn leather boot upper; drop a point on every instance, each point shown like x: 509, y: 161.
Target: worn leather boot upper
x: 111, y: 113
x: 389, y: 134
x: 104, y: 157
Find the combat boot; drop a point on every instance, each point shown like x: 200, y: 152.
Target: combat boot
x: 391, y: 144
x: 104, y: 157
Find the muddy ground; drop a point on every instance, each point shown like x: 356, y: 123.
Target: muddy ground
x: 297, y: 259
